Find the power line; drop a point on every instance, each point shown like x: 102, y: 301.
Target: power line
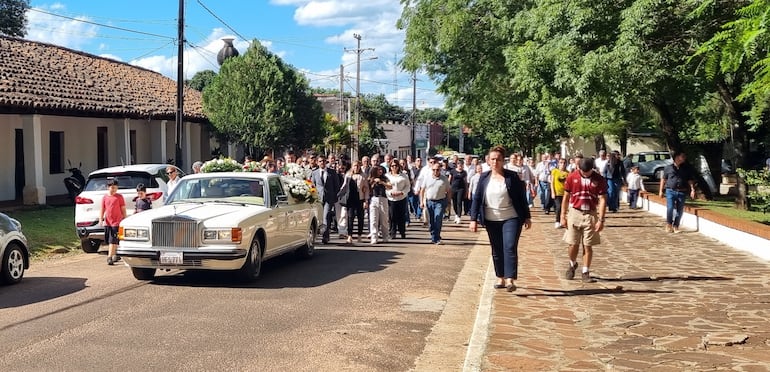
x: 100, y: 24
x: 198, y: 49
x: 221, y: 20
x: 153, y: 51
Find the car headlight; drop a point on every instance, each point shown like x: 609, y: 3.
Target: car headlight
x: 232, y: 235
x: 133, y: 233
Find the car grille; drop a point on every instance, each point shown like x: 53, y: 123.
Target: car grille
x: 175, y: 233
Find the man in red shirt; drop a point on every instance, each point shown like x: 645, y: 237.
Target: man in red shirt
x: 582, y: 212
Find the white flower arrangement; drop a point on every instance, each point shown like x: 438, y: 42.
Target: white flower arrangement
x: 296, y: 171
x: 302, y: 190
x: 221, y: 165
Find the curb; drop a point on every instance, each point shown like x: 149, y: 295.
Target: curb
x: 453, y: 341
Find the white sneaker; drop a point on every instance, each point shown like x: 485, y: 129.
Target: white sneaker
x: 457, y: 219
x: 374, y: 241
x: 557, y: 225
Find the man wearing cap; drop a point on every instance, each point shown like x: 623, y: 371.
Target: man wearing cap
x: 434, y: 196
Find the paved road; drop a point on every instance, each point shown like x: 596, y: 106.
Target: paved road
x: 662, y: 302
x: 362, y: 308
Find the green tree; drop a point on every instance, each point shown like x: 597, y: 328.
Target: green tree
x: 736, y: 60
x: 201, y: 80
x: 13, y: 17
x: 261, y: 102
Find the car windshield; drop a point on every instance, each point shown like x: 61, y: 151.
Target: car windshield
x: 227, y: 189
x: 126, y: 180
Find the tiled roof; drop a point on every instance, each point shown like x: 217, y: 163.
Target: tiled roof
x: 47, y: 79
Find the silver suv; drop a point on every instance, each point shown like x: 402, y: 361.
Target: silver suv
x: 88, y: 203
x: 651, y: 163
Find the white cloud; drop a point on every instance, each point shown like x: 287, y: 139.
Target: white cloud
x: 199, y: 58
x: 375, y: 21
x: 56, y: 30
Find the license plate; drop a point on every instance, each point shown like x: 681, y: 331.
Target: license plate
x: 170, y: 258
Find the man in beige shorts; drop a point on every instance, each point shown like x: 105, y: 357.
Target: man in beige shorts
x: 582, y: 213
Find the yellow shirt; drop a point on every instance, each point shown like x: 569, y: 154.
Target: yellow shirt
x: 558, y: 177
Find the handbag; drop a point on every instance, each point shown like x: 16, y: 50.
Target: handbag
x: 344, y: 193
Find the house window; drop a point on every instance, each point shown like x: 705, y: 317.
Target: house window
x: 101, y: 147
x: 56, y: 152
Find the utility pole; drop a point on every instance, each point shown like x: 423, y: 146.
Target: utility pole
x: 180, y: 88
x: 357, y: 123
x: 342, y: 88
x: 414, y: 112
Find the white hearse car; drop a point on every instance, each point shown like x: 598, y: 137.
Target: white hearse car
x: 219, y: 221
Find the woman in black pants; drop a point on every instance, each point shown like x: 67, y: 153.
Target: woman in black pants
x: 459, y: 185
x: 397, y: 204
x: 500, y: 204
x: 358, y: 193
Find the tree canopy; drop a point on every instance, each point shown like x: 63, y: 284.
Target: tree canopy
x: 13, y: 17
x: 527, y: 73
x: 261, y: 102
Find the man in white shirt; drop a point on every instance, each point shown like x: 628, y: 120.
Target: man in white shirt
x: 425, y: 172
x: 434, y: 195
x: 543, y: 174
x: 601, y: 162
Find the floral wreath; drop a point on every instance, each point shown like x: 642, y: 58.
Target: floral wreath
x: 295, y: 177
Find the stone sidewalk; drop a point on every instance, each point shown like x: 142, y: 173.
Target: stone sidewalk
x: 661, y: 302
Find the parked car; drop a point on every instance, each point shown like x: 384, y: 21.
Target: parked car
x: 14, y: 250
x: 89, y: 202
x: 651, y: 163
x: 219, y: 221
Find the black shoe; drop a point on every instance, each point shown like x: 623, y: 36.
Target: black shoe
x: 110, y: 261
x: 499, y: 286
x: 324, y: 241
x: 547, y: 212
x: 117, y: 258
x: 570, y: 274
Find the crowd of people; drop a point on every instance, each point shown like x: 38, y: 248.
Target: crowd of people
x: 375, y: 199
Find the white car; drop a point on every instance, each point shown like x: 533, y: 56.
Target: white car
x: 14, y: 251
x: 219, y: 221
x: 89, y: 202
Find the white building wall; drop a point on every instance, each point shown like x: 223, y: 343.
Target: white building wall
x: 80, y: 147
x: 574, y: 145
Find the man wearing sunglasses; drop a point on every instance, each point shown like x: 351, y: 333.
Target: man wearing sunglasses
x: 173, y: 179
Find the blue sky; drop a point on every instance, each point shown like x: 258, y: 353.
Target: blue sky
x: 311, y: 35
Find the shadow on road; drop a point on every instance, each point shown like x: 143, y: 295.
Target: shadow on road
x: 587, y: 292
x: 327, y: 266
x: 662, y: 278
x: 38, y: 289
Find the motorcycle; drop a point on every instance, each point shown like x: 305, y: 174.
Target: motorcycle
x: 75, y: 182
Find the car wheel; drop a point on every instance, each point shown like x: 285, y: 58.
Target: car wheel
x: 308, y: 249
x: 13, y: 264
x: 253, y: 265
x: 141, y: 273
x: 90, y: 245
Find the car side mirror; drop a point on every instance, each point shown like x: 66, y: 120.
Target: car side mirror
x: 282, y: 199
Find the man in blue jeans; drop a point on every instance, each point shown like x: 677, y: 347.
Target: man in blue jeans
x: 678, y: 180
x: 434, y: 196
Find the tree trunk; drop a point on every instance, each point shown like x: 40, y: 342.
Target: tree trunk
x: 737, y: 122
x: 600, y: 143
x: 666, y: 123
x: 623, y: 140
x: 738, y: 134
